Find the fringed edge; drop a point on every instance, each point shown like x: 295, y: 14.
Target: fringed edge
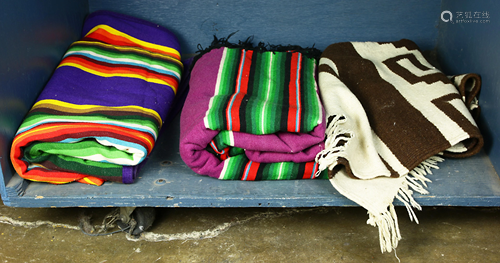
x: 310, y: 52
x: 388, y: 228
x: 336, y: 141
x: 387, y: 222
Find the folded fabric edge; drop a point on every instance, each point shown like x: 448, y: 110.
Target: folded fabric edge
x: 310, y: 52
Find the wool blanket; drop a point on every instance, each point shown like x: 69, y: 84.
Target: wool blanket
x: 99, y: 115
x: 391, y: 117
x: 252, y: 113
x: 469, y: 87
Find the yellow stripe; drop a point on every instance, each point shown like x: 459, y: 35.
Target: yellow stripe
x: 28, y: 132
x: 44, y: 181
x: 149, y: 141
x: 90, y: 107
x: 134, y: 49
x: 87, y: 180
x: 135, y: 40
x: 106, y: 75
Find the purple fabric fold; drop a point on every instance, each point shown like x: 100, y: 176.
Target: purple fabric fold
x: 293, y: 148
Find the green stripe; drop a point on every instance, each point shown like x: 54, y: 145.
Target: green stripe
x: 235, y: 167
x: 36, y: 117
x: 80, y: 149
x: 270, y: 171
x: 76, y: 164
x: 276, y: 105
x: 152, y: 60
x: 263, y: 85
x: 216, y: 113
x: 277, y: 86
x: 312, y: 98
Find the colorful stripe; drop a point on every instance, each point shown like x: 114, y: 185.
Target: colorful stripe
x: 61, y: 141
x: 262, y: 93
x: 107, y: 52
x: 240, y: 168
x: 107, y: 34
x: 249, y: 83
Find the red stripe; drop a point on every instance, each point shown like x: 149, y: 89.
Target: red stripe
x: 241, y: 89
x: 235, y: 112
x: 245, y: 71
x: 41, y: 174
x: 299, y: 88
x: 106, y: 37
x: 83, y: 129
x: 292, y: 98
x: 118, y: 69
x: 254, y: 167
x: 309, y: 170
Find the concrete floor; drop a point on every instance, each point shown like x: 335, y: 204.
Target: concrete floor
x: 251, y: 235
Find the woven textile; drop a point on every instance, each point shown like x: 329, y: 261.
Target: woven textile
x: 101, y: 112
x: 390, y: 116
x: 252, y: 115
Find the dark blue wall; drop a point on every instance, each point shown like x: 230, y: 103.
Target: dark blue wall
x: 475, y: 47
x: 320, y: 22
x: 34, y: 35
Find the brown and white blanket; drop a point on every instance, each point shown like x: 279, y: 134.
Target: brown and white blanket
x: 391, y: 116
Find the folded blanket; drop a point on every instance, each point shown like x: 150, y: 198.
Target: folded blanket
x: 469, y: 86
x: 252, y: 113
x: 99, y: 115
x: 390, y: 115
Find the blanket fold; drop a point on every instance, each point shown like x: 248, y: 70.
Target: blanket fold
x: 391, y: 117
x: 253, y: 113
x: 100, y: 114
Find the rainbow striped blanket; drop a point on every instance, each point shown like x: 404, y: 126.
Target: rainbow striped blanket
x: 252, y: 114
x: 99, y: 116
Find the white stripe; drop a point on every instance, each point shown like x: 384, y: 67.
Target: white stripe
x: 126, y: 61
x: 281, y: 169
x: 224, y: 169
x: 320, y: 106
x: 330, y: 63
x: 116, y: 123
x: 231, y: 138
x: 217, y: 86
x: 297, y: 77
x: 421, y: 94
x: 268, y: 92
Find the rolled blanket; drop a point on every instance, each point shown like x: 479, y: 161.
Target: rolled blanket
x: 390, y: 116
x: 99, y: 115
x: 253, y: 113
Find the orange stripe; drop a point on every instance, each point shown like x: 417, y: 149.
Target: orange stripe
x: 53, y: 176
x: 92, y: 180
x: 124, y: 70
x: 46, y: 131
x: 104, y: 36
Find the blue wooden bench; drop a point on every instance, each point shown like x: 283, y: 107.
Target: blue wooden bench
x: 35, y: 35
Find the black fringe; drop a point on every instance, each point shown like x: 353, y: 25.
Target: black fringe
x: 310, y: 52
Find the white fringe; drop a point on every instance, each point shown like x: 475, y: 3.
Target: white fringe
x: 388, y: 228
x: 328, y: 157
x: 387, y: 222
x: 416, y: 180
